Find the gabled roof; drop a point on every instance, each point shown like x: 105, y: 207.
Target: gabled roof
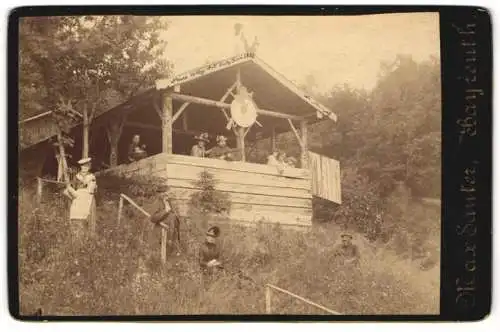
x: 40, y: 127
x: 239, y: 60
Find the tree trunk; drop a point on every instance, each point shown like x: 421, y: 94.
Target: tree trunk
x: 85, y: 139
x: 113, y: 155
x: 62, y: 155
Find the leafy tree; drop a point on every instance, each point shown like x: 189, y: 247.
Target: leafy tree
x: 90, y: 63
x: 388, y: 143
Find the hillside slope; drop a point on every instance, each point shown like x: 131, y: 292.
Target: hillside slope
x: 120, y: 272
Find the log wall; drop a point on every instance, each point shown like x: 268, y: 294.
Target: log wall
x: 257, y: 192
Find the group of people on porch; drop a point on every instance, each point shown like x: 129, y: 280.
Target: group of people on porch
x: 219, y: 151
x: 280, y: 159
x: 222, y: 151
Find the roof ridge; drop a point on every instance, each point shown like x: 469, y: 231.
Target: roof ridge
x: 293, y: 86
x: 228, y: 61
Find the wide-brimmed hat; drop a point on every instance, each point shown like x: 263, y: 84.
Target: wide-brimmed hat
x: 213, y: 231
x: 221, y: 138
x: 346, y: 235
x: 84, y: 161
x: 202, y: 137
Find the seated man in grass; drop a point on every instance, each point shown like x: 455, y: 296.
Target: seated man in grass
x: 210, y: 252
x: 347, y: 253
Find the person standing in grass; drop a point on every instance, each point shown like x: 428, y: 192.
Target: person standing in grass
x: 347, y: 270
x: 165, y: 214
x: 83, y: 207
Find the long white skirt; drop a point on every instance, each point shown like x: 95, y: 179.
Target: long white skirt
x: 81, y: 205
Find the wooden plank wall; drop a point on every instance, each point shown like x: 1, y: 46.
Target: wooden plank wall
x: 325, y: 174
x: 257, y: 192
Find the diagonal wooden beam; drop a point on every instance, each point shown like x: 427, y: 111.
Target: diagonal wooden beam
x: 157, y: 108
x: 228, y: 92
x: 224, y: 97
x: 246, y: 131
x: 296, y: 133
x: 179, y: 112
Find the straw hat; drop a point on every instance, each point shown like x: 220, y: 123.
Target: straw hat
x: 221, y: 138
x: 202, y: 137
x: 84, y: 161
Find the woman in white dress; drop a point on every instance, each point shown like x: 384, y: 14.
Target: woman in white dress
x: 82, y: 213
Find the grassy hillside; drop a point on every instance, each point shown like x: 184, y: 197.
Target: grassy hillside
x: 120, y: 272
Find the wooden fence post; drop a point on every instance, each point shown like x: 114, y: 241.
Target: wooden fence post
x: 39, y: 190
x: 120, y: 208
x: 268, y: 300
x: 163, y: 245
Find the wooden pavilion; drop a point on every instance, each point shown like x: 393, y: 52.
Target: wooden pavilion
x: 168, y: 116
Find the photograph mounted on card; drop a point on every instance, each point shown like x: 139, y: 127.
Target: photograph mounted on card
x: 271, y: 163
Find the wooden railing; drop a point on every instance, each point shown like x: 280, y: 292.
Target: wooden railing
x: 269, y: 288
x: 164, y: 227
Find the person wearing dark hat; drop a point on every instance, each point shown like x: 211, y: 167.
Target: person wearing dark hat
x: 199, y: 150
x: 221, y: 150
x: 166, y: 215
x: 347, y: 252
x: 209, y: 251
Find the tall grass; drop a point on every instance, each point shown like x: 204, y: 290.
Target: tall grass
x: 119, y: 273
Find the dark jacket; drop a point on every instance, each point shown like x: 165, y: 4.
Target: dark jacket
x: 220, y: 151
x: 347, y: 253
x: 169, y: 218
x: 208, y: 252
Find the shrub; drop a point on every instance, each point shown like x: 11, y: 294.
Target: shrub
x: 208, y: 200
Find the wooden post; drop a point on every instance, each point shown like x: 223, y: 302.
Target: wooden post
x: 39, y: 189
x: 184, y: 121
x: 85, y: 136
x: 273, y: 140
x: 166, y: 123
x: 120, y: 209
x: 268, y: 300
x: 163, y: 245
x: 240, y: 141
x: 304, y: 147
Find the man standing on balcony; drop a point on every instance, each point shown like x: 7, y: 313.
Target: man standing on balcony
x: 199, y: 150
x: 221, y: 150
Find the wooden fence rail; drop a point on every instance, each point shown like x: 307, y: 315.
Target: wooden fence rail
x: 164, y: 227
x: 269, y: 288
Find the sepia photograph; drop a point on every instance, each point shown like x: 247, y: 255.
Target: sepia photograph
x: 229, y: 165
